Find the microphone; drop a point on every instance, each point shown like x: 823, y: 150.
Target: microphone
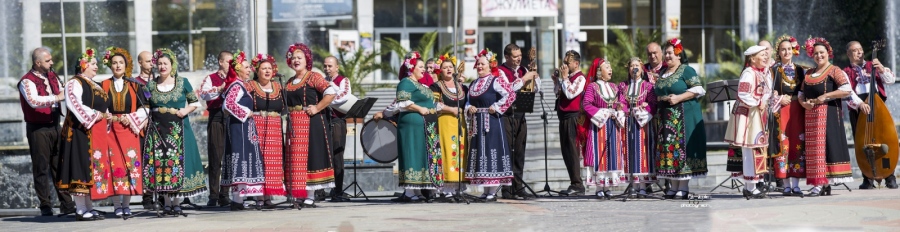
x: 634, y: 71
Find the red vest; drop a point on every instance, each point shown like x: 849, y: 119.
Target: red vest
x: 42, y: 115
x: 509, y: 72
x: 216, y: 81
x: 852, y: 75
x: 574, y: 104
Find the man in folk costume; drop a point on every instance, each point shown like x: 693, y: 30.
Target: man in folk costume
x: 569, y: 87
x: 859, y: 73
x: 145, y: 63
x: 210, y: 91
x: 747, y: 128
x: 514, y: 121
x: 40, y: 92
x: 655, y: 66
x: 338, y: 125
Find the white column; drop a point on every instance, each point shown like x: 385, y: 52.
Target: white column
x: 365, y: 15
x: 571, y: 25
x: 671, y: 19
x: 143, y: 26
x: 749, y: 11
x: 262, y: 26
x: 469, y: 25
x: 31, y: 28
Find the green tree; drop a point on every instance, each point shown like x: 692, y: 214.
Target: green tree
x: 626, y: 46
x: 731, y: 62
x: 354, y: 67
x: 425, y: 48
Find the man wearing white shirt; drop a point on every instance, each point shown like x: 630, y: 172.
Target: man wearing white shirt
x: 338, y: 126
x: 40, y: 92
x: 210, y: 91
x: 860, y: 74
x: 569, y: 89
x: 514, y: 124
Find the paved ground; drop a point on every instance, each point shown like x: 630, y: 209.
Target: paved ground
x: 869, y: 210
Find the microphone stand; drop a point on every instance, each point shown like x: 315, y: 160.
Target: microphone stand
x: 459, y: 131
x: 544, y: 117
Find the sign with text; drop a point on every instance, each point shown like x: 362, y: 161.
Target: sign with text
x: 307, y: 10
x: 519, y: 8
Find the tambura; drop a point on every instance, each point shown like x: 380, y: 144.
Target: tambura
x: 379, y: 140
x: 343, y: 108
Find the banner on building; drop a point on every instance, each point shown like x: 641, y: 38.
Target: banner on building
x: 519, y: 8
x: 308, y: 10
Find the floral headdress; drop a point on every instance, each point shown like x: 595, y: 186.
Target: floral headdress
x: 86, y: 57
x: 165, y: 52
x: 260, y: 58
x: 442, y: 59
x: 410, y: 62
x: 306, y: 53
x: 795, y: 47
x: 491, y: 58
x: 239, y: 58
x: 113, y: 51
x: 811, y: 42
x: 676, y: 45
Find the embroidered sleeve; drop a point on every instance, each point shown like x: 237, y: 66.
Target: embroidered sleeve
x: 234, y: 94
x: 650, y: 98
x: 320, y: 84
x: 392, y: 109
x: 747, y: 91
x: 623, y: 93
x: 694, y: 85
x: 507, y: 97
x: 188, y: 91
x: 84, y: 114
x: 589, y: 102
x: 29, y: 91
x: 207, y: 90
x: 405, y: 90
x: 887, y: 76
x: 136, y: 119
x: 574, y: 88
x: 343, y: 90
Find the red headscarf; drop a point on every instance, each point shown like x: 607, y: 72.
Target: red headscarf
x: 592, y: 73
x: 237, y: 63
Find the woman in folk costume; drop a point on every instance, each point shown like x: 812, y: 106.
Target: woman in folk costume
x: 268, y: 106
x: 84, y: 152
x: 788, y: 138
x: 747, y: 128
x: 243, y: 168
x: 681, y: 140
x: 638, y: 103
x: 453, y: 95
x: 306, y: 95
x: 417, y: 140
x: 827, y: 157
x: 172, y: 165
x: 490, y: 95
x: 129, y: 117
x: 603, y: 143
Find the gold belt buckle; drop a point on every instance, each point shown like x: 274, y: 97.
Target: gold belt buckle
x: 297, y: 108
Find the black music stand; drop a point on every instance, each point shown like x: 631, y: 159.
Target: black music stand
x: 524, y: 102
x: 359, y: 110
x: 721, y: 91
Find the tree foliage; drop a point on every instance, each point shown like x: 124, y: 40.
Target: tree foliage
x: 626, y: 46
x: 355, y: 67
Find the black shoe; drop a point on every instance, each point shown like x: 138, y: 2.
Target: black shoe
x: 867, y: 184
x: 525, y: 195
x: 572, y: 192
x: 339, y: 199
x: 787, y: 193
x: 891, y: 182
x: 507, y: 193
x: 320, y: 195
x: 305, y: 205
x: 827, y: 190
x: 81, y: 217
x: 237, y: 206
x: 670, y: 196
x: 148, y: 205
x: 402, y: 199
x: 46, y: 211
x: 210, y: 203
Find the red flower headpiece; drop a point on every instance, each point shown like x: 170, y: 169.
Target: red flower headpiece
x: 795, y: 47
x: 86, y: 58
x: 239, y: 58
x: 305, y: 49
x: 441, y: 60
x: 411, y: 62
x: 810, y: 46
x: 491, y: 58
x: 165, y: 52
x: 260, y: 58
x: 676, y: 45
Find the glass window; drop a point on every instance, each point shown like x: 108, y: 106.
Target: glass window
x: 50, y: 17
x: 389, y: 13
x: 422, y: 13
x: 649, y: 12
x: 721, y: 13
x: 688, y: 18
x: 73, y: 52
x: 169, y: 15
x: 691, y: 38
x: 390, y: 57
x: 178, y: 43
x: 110, y: 16
x: 593, y: 44
x: 591, y: 12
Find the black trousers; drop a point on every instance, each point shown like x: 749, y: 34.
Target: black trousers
x: 215, y: 132
x: 339, y: 141
x: 568, y: 130
x: 43, y: 144
x: 516, y: 132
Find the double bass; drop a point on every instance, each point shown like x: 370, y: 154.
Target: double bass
x: 877, y: 149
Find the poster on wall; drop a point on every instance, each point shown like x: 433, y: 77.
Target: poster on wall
x: 347, y: 40
x: 519, y: 8
x: 308, y: 10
